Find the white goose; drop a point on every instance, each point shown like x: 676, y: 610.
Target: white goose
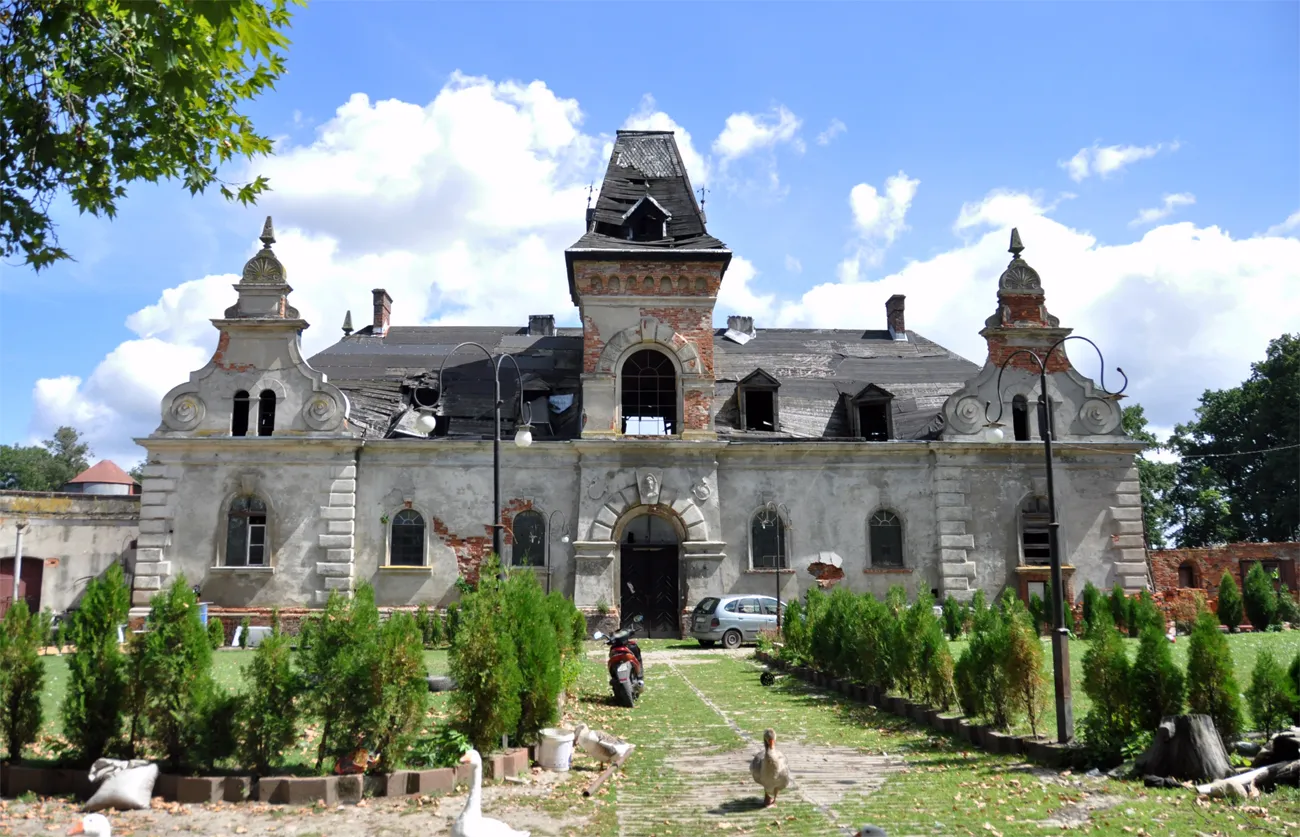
x: 471, y: 822
x: 93, y: 825
x: 600, y: 745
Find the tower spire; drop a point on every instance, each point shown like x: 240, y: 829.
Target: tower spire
x: 1016, y: 247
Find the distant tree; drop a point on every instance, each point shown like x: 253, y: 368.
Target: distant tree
x: 1222, y: 495
x: 1156, y: 479
x: 137, y: 471
x: 1259, y: 597
x: 1231, y: 609
x: 44, y: 467
x: 96, y: 94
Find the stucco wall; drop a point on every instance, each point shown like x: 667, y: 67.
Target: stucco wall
x: 76, y: 536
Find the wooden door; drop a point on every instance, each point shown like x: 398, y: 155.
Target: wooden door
x: 650, y: 587
x: 29, y: 585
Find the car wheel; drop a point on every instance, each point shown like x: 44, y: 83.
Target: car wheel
x: 707, y: 643
x: 731, y: 639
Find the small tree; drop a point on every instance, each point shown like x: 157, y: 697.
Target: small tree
x: 538, y: 652
x: 176, y: 667
x: 1023, y: 665
x: 484, y: 664
x: 216, y: 633
x: 269, y: 708
x: 1230, y: 606
x: 1288, y: 610
x: 1259, y: 597
x: 1118, y: 607
x: 244, y: 625
x: 1211, y: 687
x: 1038, y: 612
x: 952, y: 618
x: 399, y: 688
x: 1156, y: 684
x: 22, y: 676
x: 982, y: 686
x: 97, y: 669
x: 1144, y: 613
x: 1106, y: 678
x: 570, y: 633
x: 337, y: 667
x: 1092, y: 606
x: 1270, y: 697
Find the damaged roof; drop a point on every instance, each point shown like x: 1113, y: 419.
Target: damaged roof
x: 815, y: 369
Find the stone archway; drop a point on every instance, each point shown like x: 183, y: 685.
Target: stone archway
x: 649, y: 330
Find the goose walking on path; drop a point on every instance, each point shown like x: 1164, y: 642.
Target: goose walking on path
x: 471, y: 822
x: 769, y: 769
x: 93, y: 825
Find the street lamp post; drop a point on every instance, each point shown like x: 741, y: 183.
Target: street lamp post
x: 1060, y: 636
x: 523, y: 432
x: 782, y: 513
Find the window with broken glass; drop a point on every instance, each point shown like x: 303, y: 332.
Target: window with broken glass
x: 649, y: 390
x: 406, y: 542
x: 246, y: 533
x: 1035, y: 540
x: 528, y: 546
x: 767, y: 546
x: 886, y: 539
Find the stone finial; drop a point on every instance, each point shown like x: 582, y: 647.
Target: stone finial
x: 1019, y: 277
x: 268, y: 233
x: 264, y: 268
x: 1015, y: 249
x: 347, y: 324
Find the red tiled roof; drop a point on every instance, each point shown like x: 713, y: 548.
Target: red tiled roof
x: 105, y: 472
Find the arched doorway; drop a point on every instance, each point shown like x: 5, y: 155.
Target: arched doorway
x: 649, y: 578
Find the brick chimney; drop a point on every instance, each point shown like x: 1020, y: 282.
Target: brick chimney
x: 741, y: 325
x: 894, y: 317
x: 383, y: 309
x: 541, y: 325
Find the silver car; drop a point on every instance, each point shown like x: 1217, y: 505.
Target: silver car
x: 732, y: 620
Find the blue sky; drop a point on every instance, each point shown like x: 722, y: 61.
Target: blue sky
x: 460, y: 176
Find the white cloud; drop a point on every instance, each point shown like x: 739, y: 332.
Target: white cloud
x: 1159, y: 213
x: 793, y: 265
x: 737, y: 295
x: 746, y: 133
x: 1290, y: 225
x: 878, y: 218
x: 1168, y: 308
x: 647, y: 118
x: 1105, y: 161
x: 833, y: 130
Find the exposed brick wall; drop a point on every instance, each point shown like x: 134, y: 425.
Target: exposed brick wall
x: 471, y: 550
x: 694, y: 325
x: 218, y: 357
x: 1209, y: 563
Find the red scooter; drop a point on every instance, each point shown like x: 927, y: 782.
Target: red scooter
x: 626, y: 672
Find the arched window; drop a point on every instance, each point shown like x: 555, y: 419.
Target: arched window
x: 649, y: 394
x: 246, y: 533
x: 528, y: 546
x: 406, y: 542
x: 1020, y: 418
x: 767, y: 546
x: 1187, y: 575
x: 1035, y: 542
x: 266, y: 413
x: 239, y: 414
x: 885, y: 532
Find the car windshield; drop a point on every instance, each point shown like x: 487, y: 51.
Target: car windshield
x: 707, y: 605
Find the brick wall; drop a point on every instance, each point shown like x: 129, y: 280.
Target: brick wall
x: 1209, y: 563
x: 471, y: 550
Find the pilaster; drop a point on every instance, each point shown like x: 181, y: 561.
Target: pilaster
x: 337, y: 563
x: 956, y: 568
x: 1127, y: 543
x: 152, y: 570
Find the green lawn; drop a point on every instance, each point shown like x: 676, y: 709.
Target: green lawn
x: 1245, y: 648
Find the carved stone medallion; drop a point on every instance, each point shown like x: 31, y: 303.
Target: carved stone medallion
x: 321, y: 412
x: 185, y: 412
x: 701, y: 489
x: 648, y: 484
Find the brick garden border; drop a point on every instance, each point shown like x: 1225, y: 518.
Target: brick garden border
x: 16, y: 779
x: 1038, y: 750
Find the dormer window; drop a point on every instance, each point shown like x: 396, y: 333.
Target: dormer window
x: 646, y: 221
x: 756, y: 399
x: 871, y: 414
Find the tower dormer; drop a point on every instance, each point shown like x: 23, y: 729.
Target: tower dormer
x: 645, y: 278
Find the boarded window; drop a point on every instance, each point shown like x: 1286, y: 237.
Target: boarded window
x: 649, y: 394
x: 886, y: 536
x: 1020, y: 418
x: 1035, y: 540
x: 1187, y: 576
x: 239, y: 415
x: 406, y: 549
x: 266, y: 413
x: 528, y: 548
x: 767, y: 540
x: 246, y: 533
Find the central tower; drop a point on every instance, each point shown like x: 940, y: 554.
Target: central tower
x: 645, y: 277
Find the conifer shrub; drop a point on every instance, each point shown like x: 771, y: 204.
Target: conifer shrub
x: 537, y: 650
x: 335, y: 660
x: 872, y: 651
x: 910, y: 625
x: 1092, y: 606
x: 1259, y: 598
x: 952, y: 618
x: 452, y: 623
x: 1023, y: 666
x: 176, y: 673
x: 267, y: 720
x: 484, y: 664
x: 1230, y: 607
x: 570, y: 632
x: 1288, y: 609
x: 1156, y: 684
x: 1211, y: 686
x: 398, y: 690
x: 97, y: 669
x: 216, y: 633
x: 1039, y: 612
x: 980, y: 678
x: 1144, y: 613
x: 834, y: 635
x: 244, y: 625
x: 1270, y: 697
x: 22, y: 676
x: 794, y: 629
x: 1185, y: 609
x: 932, y: 659
x: 1106, y: 678
x: 1118, y: 607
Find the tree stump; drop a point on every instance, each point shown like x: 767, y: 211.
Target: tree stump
x: 1186, y: 747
